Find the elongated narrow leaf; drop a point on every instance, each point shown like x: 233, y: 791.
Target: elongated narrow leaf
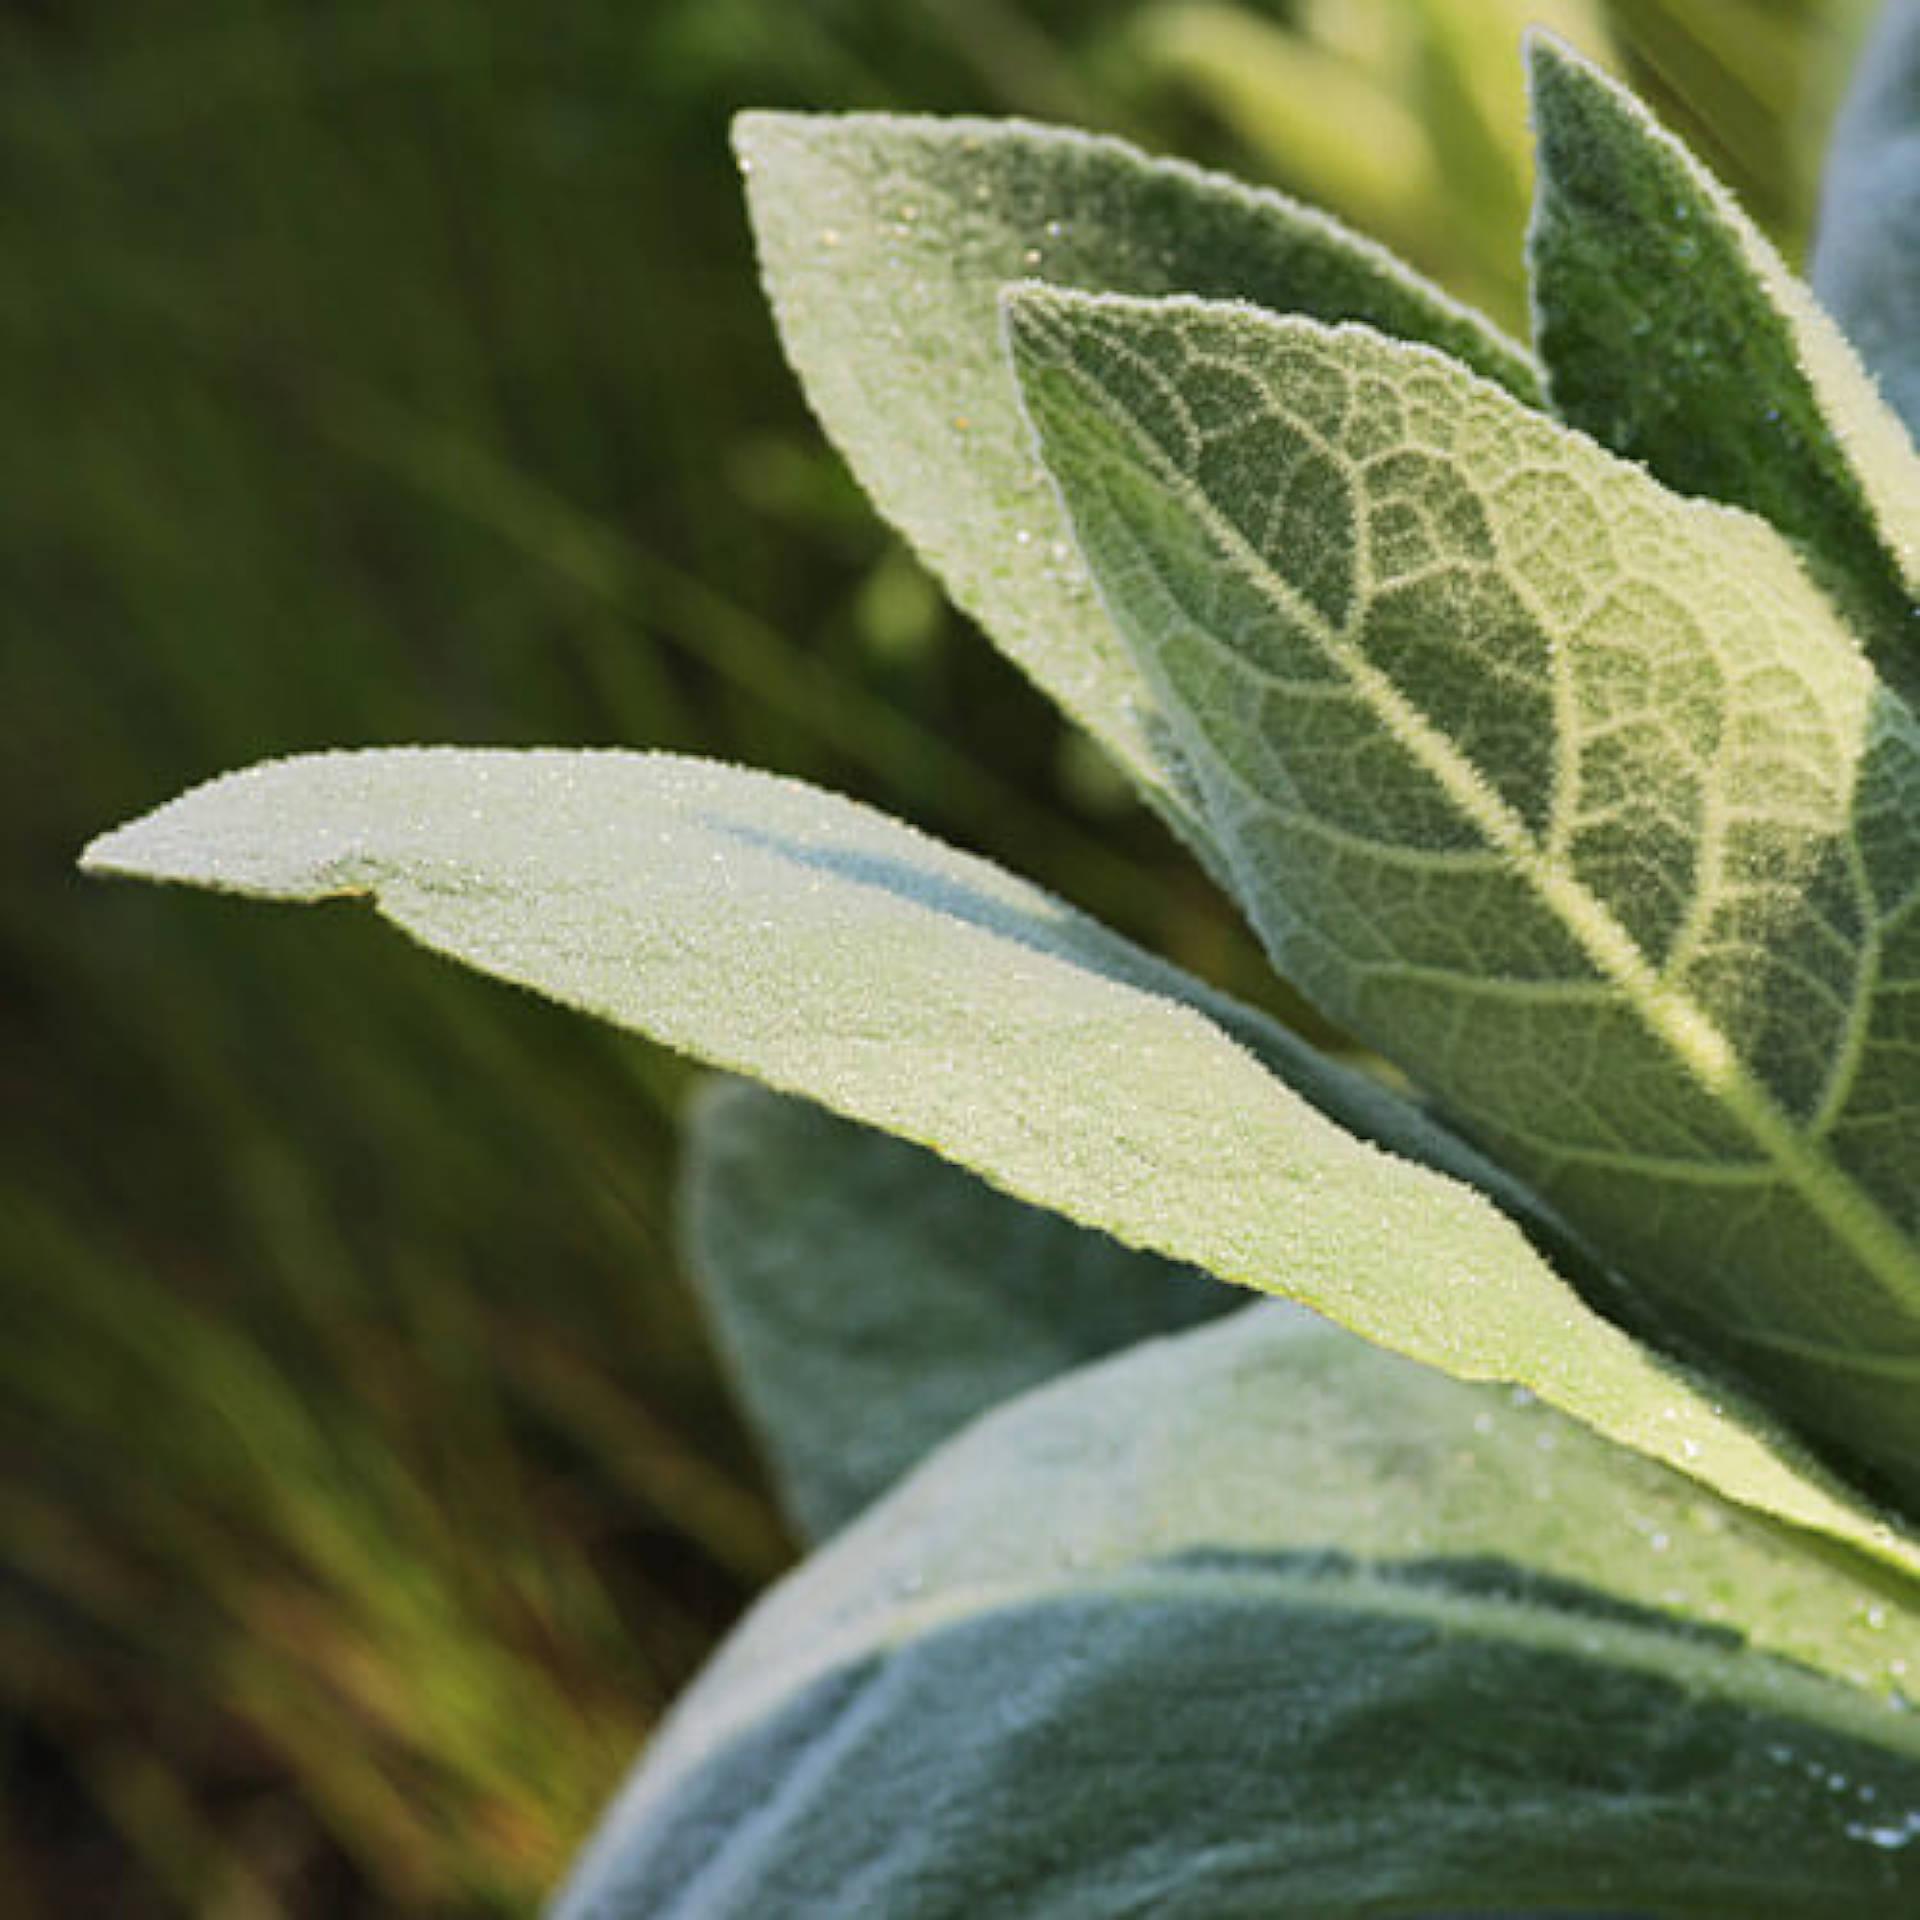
x: 871, y: 1298
x: 885, y: 243
x: 783, y: 933
x: 1259, y: 1621
x: 1672, y: 331
x: 1866, y: 260
x: 1568, y: 794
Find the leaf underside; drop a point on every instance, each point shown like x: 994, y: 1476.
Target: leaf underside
x: 1568, y: 795
x: 1259, y: 1620
x: 870, y: 1298
x: 779, y: 932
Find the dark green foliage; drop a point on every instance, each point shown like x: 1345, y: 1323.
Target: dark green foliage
x: 1669, y: 328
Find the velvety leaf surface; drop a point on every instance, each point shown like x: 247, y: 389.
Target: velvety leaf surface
x: 1866, y: 260
x: 777, y: 931
x: 1671, y: 330
x: 1260, y: 1621
x: 885, y: 242
x: 871, y: 1298
x: 1569, y: 795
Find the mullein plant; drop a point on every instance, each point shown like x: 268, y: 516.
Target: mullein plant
x: 1551, y: 716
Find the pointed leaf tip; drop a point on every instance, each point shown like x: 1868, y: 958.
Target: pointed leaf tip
x: 290, y: 830
x: 1672, y: 331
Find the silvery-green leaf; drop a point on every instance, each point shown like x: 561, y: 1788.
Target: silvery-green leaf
x: 1866, y: 258
x: 885, y: 242
x: 1671, y: 330
x: 1571, y: 796
x: 1259, y: 1621
x: 780, y: 932
x: 871, y: 1298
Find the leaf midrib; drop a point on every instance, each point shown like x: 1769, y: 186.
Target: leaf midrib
x: 1673, y: 1018
x: 1765, y: 1680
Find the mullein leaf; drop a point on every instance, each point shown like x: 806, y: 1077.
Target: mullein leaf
x: 773, y: 930
x: 1572, y: 797
x: 1671, y: 330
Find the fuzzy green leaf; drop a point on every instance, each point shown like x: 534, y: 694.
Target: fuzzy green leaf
x: 885, y: 243
x: 777, y: 931
x: 1259, y: 1621
x: 1866, y: 261
x: 1569, y: 795
x: 871, y: 1299
x: 1672, y: 331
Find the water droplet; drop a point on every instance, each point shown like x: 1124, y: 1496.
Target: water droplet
x: 1901, y: 1832
x: 1876, y: 1836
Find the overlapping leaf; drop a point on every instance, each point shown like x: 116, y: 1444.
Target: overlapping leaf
x: 1866, y: 263
x: 1568, y: 794
x: 1672, y: 331
x: 871, y: 1299
x: 1261, y: 1621
x: 779, y: 932
x: 885, y: 242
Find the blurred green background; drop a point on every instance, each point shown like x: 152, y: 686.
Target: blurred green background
x: 397, y: 372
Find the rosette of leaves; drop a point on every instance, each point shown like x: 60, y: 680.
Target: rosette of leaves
x: 1551, y: 715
